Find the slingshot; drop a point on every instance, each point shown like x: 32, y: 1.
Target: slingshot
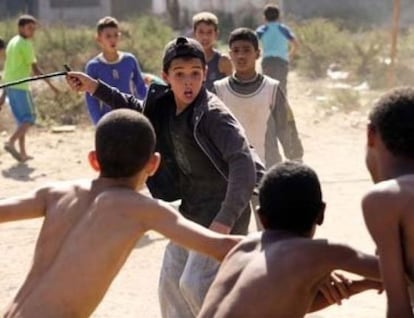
x: 38, y: 77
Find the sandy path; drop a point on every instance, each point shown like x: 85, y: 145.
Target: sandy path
x: 332, y: 147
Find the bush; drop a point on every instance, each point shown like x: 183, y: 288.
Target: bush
x: 65, y: 108
x: 322, y: 43
x: 146, y: 38
x: 57, y: 45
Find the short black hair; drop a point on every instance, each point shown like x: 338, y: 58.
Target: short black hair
x: 124, y: 142
x: 244, y: 34
x: 2, y: 44
x: 182, y: 47
x: 393, y: 117
x: 290, y: 197
x: 271, y: 12
x: 26, y: 19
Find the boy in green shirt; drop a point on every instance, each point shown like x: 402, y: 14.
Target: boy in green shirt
x: 20, y: 63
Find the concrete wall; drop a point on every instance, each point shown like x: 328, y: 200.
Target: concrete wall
x: 220, y: 5
x: 369, y: 12
x: 69, y: 13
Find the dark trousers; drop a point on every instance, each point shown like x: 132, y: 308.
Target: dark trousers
x: 276, y: 68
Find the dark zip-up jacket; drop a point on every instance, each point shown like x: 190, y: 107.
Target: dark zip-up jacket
x: 216, y: 131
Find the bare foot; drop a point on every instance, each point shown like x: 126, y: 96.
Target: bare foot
x: 26, y: 158
x: 11, y: 150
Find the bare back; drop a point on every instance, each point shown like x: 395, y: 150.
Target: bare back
x: 406, y: 202
x: 81, y: 247
x: 389, y: 215
x: 269, y: 275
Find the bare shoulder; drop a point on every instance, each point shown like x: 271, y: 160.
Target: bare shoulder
x: 385, y: 200
x: 248, y: 244
x: 55, y: 190
x: 317, y: 253
x: 225, y: 64
x: 138, y: 206
x: 243, y: 254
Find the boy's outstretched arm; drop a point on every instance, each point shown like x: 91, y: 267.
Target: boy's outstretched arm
x: 338, y: 287
x: 167, y: 221
x: 383, y: 222
x: 31, y: 205
x: 109, y: 95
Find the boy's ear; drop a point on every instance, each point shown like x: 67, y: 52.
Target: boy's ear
x: 93, y: 161
x: 321, y: 214
x: 258, y: 53
x: 153, y: 164
x: 263, y: 219
x: 165, y: 77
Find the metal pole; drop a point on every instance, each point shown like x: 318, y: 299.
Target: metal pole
x: 394, y: 40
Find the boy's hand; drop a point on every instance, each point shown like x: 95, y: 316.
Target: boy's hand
x: 336, y: 288
x: 81, y: 82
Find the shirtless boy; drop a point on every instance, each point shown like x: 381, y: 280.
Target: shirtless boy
x: 389, y: 206
x: 91, y: 226
x: 279, y: 272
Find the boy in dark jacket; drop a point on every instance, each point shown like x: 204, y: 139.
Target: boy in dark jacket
x: 206, y: 162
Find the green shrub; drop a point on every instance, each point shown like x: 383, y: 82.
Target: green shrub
x: 58, y: 45
x: 346, y: 100
x: 322, y: 43
x: 65, y: 108
x: 146, y: 37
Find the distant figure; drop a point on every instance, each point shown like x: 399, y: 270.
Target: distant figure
x: 389, y: 206
x: 276, y: 38
x: 206, y: 30
x: 258, y: 102
x: 282, y: 271
x: 91, y: 226
x: 118, y: 69
x: 21, y: 63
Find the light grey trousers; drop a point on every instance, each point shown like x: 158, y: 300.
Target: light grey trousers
x: 184, y: 281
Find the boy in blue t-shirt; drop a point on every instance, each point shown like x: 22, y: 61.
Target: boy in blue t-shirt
x: 276, y: 38
x: 119, y: 69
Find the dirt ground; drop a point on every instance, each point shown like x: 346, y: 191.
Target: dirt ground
x: 334, y: 146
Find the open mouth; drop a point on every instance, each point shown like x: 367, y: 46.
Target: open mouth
x: 188, y: 94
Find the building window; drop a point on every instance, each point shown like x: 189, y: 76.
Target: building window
x: 74, y: 3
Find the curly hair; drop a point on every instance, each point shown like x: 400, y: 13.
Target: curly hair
x: 393, y: 118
